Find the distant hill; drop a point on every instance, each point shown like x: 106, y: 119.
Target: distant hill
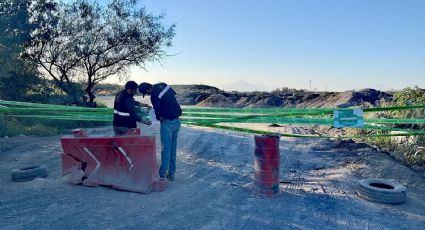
x: 209, y: 96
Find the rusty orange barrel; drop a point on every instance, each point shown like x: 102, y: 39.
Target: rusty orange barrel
x: 266, y: 166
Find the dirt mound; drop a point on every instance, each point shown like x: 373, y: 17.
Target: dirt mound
x: 327, y: 100
x: 203, y: 95
x: 287, y: 98
x: 216, y: 100
x: 266, y: 101
x: 193, y: 94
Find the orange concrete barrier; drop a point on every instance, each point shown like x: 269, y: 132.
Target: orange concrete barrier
x: 124, y: 162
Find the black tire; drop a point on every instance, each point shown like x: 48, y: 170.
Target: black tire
x: 382, y: 191
x: 29, y: 173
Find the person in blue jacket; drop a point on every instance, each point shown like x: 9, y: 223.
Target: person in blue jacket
x: 125, y: 117
x: 167, y: 111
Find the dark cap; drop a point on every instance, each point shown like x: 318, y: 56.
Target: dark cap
x: 144, y: 87
x: 131, y: 85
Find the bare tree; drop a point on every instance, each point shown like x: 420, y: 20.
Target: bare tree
x: 86, y: 43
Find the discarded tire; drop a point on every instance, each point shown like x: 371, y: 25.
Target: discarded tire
x: 29, y: 173
x: 382, y: 191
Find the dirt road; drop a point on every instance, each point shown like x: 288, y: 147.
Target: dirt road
x: 213, y: 189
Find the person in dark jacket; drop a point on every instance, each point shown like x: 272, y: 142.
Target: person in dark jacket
x: 167, y: 111
x: 125, y: 117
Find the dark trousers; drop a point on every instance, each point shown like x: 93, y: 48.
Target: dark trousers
x: 119, y: 131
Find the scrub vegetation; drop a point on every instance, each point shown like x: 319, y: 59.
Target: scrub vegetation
x: 410, y: 149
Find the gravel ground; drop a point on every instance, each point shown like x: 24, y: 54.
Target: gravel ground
x: 213, y: 188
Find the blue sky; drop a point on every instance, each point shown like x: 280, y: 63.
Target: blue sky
x: 263, y: 45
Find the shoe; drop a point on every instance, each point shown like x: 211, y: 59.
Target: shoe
x: 170, y: 177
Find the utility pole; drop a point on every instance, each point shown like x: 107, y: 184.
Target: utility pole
x: 310, y: 86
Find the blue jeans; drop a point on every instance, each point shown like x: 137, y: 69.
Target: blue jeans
x: 169, y: 132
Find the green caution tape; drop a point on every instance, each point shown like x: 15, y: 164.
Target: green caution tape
x: 246, y: 130
x: 295, y: 111
x: 215, y: 117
